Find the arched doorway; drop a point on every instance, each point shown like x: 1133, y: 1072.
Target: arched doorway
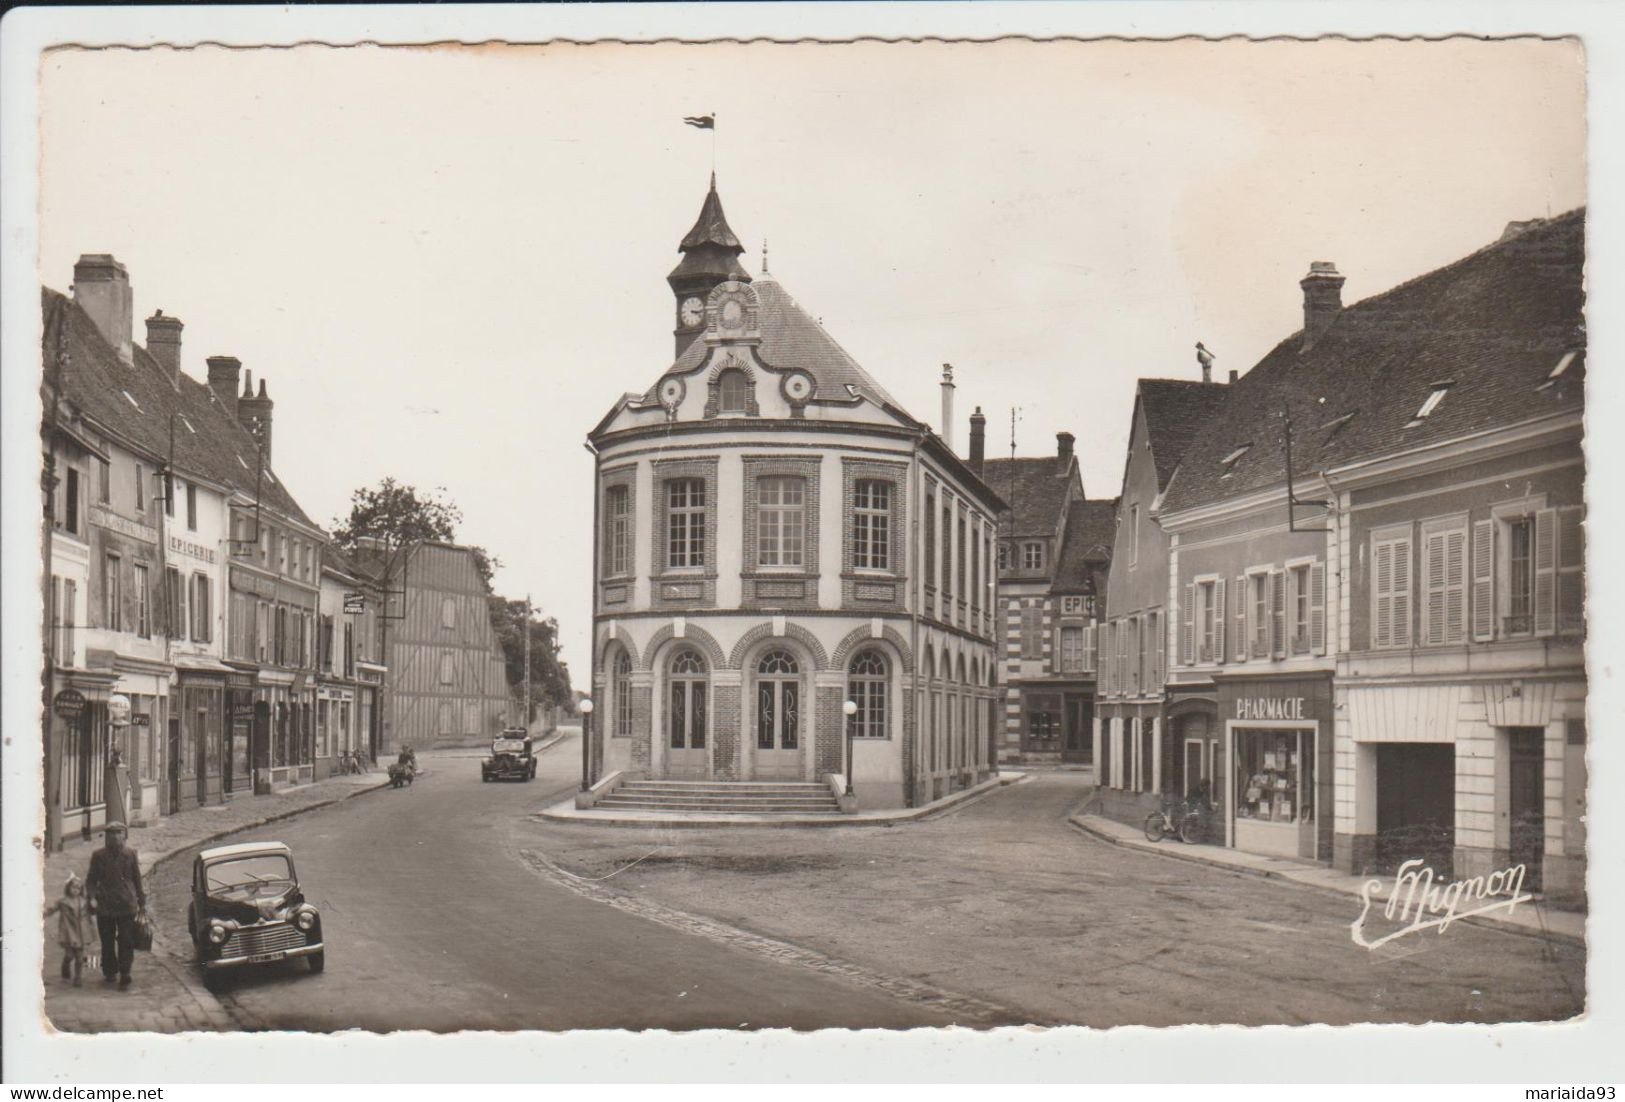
x: 778, y: 715
x: 687, y: 716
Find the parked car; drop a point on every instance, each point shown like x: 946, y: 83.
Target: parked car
x: 247, y: 908
x: 512, y: 757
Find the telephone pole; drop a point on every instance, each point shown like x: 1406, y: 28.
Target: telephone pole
x: 527, y: 663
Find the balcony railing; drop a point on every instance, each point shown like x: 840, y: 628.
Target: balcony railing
x: 1517, y: 625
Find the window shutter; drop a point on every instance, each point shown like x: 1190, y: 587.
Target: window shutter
x: 1289, y: 626
x: 1317, y: 607
x: 1187, y: 631
x: 1401, y: 592
x: 1545, y: 571
x: 1455, y: 586
x: 1484, y: 580
x: 1277, y: 614
x: 1089, y: 649
x: 1570, y: 571
x: 1218, y: 621
x: 1433, y: 611
x: 1239, y: 598
x: 1382, y: 615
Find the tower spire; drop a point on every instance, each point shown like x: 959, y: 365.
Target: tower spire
x: 711, y: 253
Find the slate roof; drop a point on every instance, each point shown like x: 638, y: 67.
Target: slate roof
x: 711, y: 228
x: 1091, y: 526
x: 793, y: 340
x: 1176, y: 411
x: 1035, y: 489
x: 1493, y: 325
x: 136, y: 402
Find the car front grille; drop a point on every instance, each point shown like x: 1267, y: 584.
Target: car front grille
x: 275, y: 938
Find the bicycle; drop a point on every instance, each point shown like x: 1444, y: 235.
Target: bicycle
x: 1163, y: 824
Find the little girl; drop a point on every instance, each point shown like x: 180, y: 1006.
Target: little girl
x: 72, y: 920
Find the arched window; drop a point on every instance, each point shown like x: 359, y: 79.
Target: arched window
x: 621, y: 690
x: 732, y: 390
x: 866, y: 682
x: 685, y: 719
x: 778, y: 701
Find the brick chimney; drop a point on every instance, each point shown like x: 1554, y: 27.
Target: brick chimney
x: 1063, y: 446
x: 1322, y: 300
x: 254, y: 411
x: 101, y: 287
x: 978, y: 441
x: 224, y: 371
x: 164, y: 344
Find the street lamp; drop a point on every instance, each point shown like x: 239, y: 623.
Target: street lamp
x: 586, y: 742
x: 849, y: 709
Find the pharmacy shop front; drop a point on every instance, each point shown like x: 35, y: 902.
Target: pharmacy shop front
x: 1278, y: 755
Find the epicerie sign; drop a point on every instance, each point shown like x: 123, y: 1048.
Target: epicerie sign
x: 195, y: 550
x: 1266, y: 707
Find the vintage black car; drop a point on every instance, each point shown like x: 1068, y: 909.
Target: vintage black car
x: 511, y: 757
x: 247, y: 908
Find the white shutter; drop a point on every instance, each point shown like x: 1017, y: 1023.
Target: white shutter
x: 1290, y: 580
x: 1238, y: 598
x: 1545, y: 571
x: 1455, y: 586
x: 1484, y: 580
x: 1317, y: 608
x: 1433, y: 611
x: 1089, y: 648
x: 1570, y: 571
x: 1219, y: 653
x: 1401, y: 592
x: 1277, y: 614
x: 1187, y: 630
x: 1382, y: 616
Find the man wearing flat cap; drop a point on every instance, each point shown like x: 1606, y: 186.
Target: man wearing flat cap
x: 114, y: 887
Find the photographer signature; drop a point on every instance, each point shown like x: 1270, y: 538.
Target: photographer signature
x: 1420, y: 904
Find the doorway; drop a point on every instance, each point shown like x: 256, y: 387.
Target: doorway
x: 1527, y: 801
x: 1079, y: 742
x: 686, y: 717
x: 778, y: 716
x: 174, y: 760
x: 1416, y: 806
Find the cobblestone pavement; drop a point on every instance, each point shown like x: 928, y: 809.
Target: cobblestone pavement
x: 1003, y: 901
x: 166, y: 995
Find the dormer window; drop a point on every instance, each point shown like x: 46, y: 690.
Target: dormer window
x: 732, y: 391
x: 1032, y: 555
x: 1432, y: 403
x: 1229, y: 462
x: 1563, y: 365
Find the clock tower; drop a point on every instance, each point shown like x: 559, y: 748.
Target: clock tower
x: 710, y: 256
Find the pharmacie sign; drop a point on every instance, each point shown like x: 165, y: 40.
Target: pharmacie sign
x: 1271, y: 707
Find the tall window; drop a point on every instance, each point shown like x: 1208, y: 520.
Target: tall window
x: 781, y: 512
x: 1134, y: 535
x: 140, y: 488
x: 1032, y: 555
x: 70, y: 501
x: 947, y: 550
x: 70, y: 600
x: 621, y: 688
x: 685, y: 519
x: 866, y: 687
x: 1207, y: 615
x: 685, y: 718
x: 1071, y: 650
x: 104, y: 481
x: 930, y: 538
x: 1259, y: 608
x: 618, y: 539
x: 1391, y: 591
x: 112, y: 598
x: 191, y: 506
x: 732, y: 388
x: 1004, y: 556
x: 871, y: 525
x: 778, y: 702
x: 960, y: 561
x: 167, y: 485
x: 281, y: 635
x: 174, y: 604
x: 202, y: 612
x: 1298, y: 614
x: 143, y: 612
x: 1520, y: 576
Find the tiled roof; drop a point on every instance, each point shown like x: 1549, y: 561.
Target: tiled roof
x: 1036, y: 491
x: 1489, y: 329
x: 1176, y: 411
x: 137, y: 402
x: 793, y: 340
x: 1091, y: 527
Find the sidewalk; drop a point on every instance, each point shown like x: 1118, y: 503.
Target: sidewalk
x: 166, y: 995
x: 1537, y: 919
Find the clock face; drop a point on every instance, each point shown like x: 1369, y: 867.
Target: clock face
x: 798, y: 387
x: 733, y: 314
x: 691, y: 311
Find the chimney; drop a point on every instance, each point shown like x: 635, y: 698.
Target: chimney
x: 948, y: 405
x: 1234, y: 375
x: 101, y: 287
x: 254, y: 412
x: 1063, y: 446
x: 164, y: 343
x: 978, y: 441
x: 1205, y: 359
x: 223, y: 373
x: 1322, y: 300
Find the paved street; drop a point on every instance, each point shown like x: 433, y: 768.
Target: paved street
x: 1004, y: 900
x: 434, y: 921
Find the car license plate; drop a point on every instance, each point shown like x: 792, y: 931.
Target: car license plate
x: 261, y: 958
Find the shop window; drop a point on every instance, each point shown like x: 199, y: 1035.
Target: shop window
x: 1043, y: 717
x: 1274, y: 775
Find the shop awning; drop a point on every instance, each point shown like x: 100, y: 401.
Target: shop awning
x: 199, y: 663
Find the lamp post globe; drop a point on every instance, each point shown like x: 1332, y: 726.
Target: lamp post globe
x: 849, y: 708
x: 584, y: 706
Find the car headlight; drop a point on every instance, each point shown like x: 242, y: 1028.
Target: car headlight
x: 218, y: 933
x: 305, y: 919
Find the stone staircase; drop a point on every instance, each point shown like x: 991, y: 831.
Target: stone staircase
x: 723, y: 797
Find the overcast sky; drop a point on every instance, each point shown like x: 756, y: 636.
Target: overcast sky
x: 449, y: 262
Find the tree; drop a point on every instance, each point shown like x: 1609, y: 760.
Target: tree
x: 398, y: 515
x: 549, y: 677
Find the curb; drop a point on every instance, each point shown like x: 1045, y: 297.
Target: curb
x: 565, y: 812
x: 1077, y: 823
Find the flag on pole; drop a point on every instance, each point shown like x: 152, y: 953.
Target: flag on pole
x: 704, y: 122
